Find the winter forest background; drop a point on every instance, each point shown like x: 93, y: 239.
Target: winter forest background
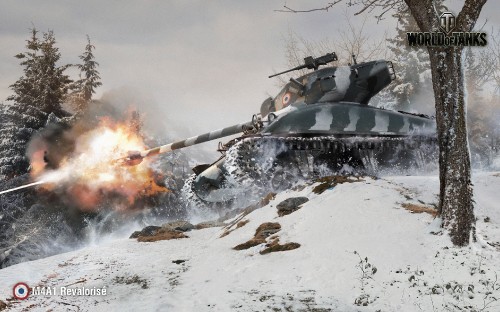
x: 51, y: 97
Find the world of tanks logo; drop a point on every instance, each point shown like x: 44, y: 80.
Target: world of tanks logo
x: 446, y: 37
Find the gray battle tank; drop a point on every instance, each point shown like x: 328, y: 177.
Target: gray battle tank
x: 319, y: 122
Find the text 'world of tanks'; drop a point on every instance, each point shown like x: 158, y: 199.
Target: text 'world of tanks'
x: 319, y: 123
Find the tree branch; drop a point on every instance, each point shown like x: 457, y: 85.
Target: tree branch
x: 370, y: 5
x: 290, y: 10
x: 470, y: 12
x: 426, y: 19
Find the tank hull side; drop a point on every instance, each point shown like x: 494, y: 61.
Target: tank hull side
x: 349, y: 119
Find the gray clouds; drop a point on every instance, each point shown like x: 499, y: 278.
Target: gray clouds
x: 204, y: 63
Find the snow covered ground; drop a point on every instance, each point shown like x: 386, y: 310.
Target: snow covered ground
x: 360, y: 250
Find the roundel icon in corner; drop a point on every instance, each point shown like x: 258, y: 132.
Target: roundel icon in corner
x: 447, y: 22
x: 21, y: 291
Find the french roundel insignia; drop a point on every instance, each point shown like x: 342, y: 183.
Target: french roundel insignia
x: 286, y: 98
x: 21, y: 291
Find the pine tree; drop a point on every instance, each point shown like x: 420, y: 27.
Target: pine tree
x: 38, y: 94
x: 89, y: 80
x: 412, y: 69
x: 89, y: 69
x: 44, y: 84
x: 15, y: 132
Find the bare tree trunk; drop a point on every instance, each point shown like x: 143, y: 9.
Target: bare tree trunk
x: 456, y: 205
x: 455, y: 197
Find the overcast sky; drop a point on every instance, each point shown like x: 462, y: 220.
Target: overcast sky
x: 202, y: 63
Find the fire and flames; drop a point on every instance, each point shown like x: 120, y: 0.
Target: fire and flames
x: 90, y: 175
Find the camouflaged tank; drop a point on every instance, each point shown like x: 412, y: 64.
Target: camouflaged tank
x: 319, y: 123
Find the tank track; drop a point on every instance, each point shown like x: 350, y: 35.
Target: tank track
x: 275, y: 162
x: 272, y: 163
x: 189, y: 196
x: 195, y: 206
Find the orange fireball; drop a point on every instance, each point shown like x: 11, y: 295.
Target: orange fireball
x: 90, y: 174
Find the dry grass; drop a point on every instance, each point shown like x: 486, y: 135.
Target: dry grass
x: 275, y: 246
x: 242, y: 223
x: 249, y: 244
x: 266, y: 199
x: 263, y: 231
x: 238, y: 225
x: 245, y: 211
x: 331, y: 181
x: 267, y: 229
x: 413, y: 208
x: 132, y: 280
x: 162, y: 235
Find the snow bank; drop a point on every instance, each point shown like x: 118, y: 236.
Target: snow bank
x: 357, y: 246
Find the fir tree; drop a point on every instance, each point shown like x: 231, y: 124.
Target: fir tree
x: 89, y: 80
x: 15, y: 132
x: 411, y: 66
x: 44, y: 84
x: 38, y: 94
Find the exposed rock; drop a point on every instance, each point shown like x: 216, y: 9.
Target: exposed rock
x: 168, y: 231
x: 290, y: 205
x: 182, y: 226
x: 263, y: 231
x: 209, y: 224
x: 331, y: 181
x: 147, y: 231
x: 267, y: 229
x: 162, y: 234
x: 135, y: 234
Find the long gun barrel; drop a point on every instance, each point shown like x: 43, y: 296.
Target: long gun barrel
x: 134, y: 158
x: 312, y: 63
